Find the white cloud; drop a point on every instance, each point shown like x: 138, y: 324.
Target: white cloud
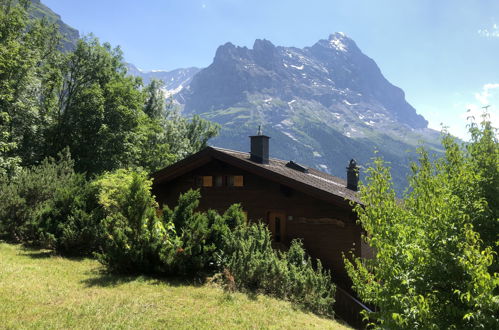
x: 487, y: 98
x: 456, y: 111
x: 492, y: 32
x: 484, y: 97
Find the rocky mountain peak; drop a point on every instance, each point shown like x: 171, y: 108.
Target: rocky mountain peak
x: 263, y: 46
x: 339, y: 41
x: 264, y: 53
x: 229, y: 52
x: 319, y: 103
x: 331, y: 72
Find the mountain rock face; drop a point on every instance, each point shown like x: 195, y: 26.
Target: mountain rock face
x: 322, y: 105
x: 70, y: 35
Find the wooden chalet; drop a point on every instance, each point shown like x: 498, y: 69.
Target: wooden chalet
x: 293, y: 200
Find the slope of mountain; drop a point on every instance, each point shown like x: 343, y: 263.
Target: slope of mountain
x: 322, y: 105
x: 69, y: 35
x: 174, y: 80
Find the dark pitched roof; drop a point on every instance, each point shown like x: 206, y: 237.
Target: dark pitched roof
x: 313, y: 182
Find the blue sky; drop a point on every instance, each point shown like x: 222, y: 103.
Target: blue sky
x: 444, y: 54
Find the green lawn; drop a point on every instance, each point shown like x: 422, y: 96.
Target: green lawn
x: 38, y: 290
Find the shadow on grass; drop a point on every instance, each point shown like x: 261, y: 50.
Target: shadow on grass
x: 103, y: 278
x: 36, y: 252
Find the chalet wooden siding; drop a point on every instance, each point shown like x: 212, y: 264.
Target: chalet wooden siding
x: 328, y: 229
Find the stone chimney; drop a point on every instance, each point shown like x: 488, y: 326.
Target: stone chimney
x: 260, y: 147
x: 353, y: 175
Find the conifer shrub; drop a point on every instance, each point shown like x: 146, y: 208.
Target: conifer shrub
x: 256, y: 267
x: 200, y: 234
x: 28, y: 197
x: 69, y: 224
x: 134, y: 238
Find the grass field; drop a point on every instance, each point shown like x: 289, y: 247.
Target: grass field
x: 38, y: 290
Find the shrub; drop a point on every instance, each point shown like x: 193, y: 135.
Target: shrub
x: 134, y: 239
x: 68, y: 223
x: 30, y: 194
x: 201, y: 234
x: 255, y: 266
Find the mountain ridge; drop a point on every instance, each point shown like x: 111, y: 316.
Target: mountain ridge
x: 69, y: 34
x: 322, y: 105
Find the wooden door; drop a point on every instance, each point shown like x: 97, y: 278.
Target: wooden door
x: 277, y: 226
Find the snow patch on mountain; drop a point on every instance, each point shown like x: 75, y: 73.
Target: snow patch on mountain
x: 297, y: 67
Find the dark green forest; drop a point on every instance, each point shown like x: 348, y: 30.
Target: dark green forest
x: 79, y: 140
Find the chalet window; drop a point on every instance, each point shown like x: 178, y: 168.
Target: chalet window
x: 207, y: 181
x: 238, y: 181
x: 219, y: 181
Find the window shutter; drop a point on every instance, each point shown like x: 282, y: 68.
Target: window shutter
x: 238, y: 181
x: 207, y: 181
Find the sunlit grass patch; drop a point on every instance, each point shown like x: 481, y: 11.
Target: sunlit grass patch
x: 40, y: 290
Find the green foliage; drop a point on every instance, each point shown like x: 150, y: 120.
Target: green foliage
x: 432, y: 266
x: 187, y: 136
x: 68, y: 224
x: 201, y: 234
x: 99, y: 108
x: 27, y: 57
x: 256, y: 266
x: 51, y: 206
x: 27, y: 196
x: 134, y: 238
x: 155, y: 104
x: 82, y: 100
x: 483, y: 157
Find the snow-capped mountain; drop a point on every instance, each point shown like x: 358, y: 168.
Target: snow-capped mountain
x: 322, y: 105
x: 174, y: 80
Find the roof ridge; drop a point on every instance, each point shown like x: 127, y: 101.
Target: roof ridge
x: 282, y: 161
x: 246, y: 152
x: 324, y: 183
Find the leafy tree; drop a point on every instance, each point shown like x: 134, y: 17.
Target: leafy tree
x: 109, y: 121
x: 483, y: 157
x: 99, y: 109
x: 187, y: 136
x: 166, y: 136
x: 28, y: 57
x: 434, y: 259
x: 155, y: 104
